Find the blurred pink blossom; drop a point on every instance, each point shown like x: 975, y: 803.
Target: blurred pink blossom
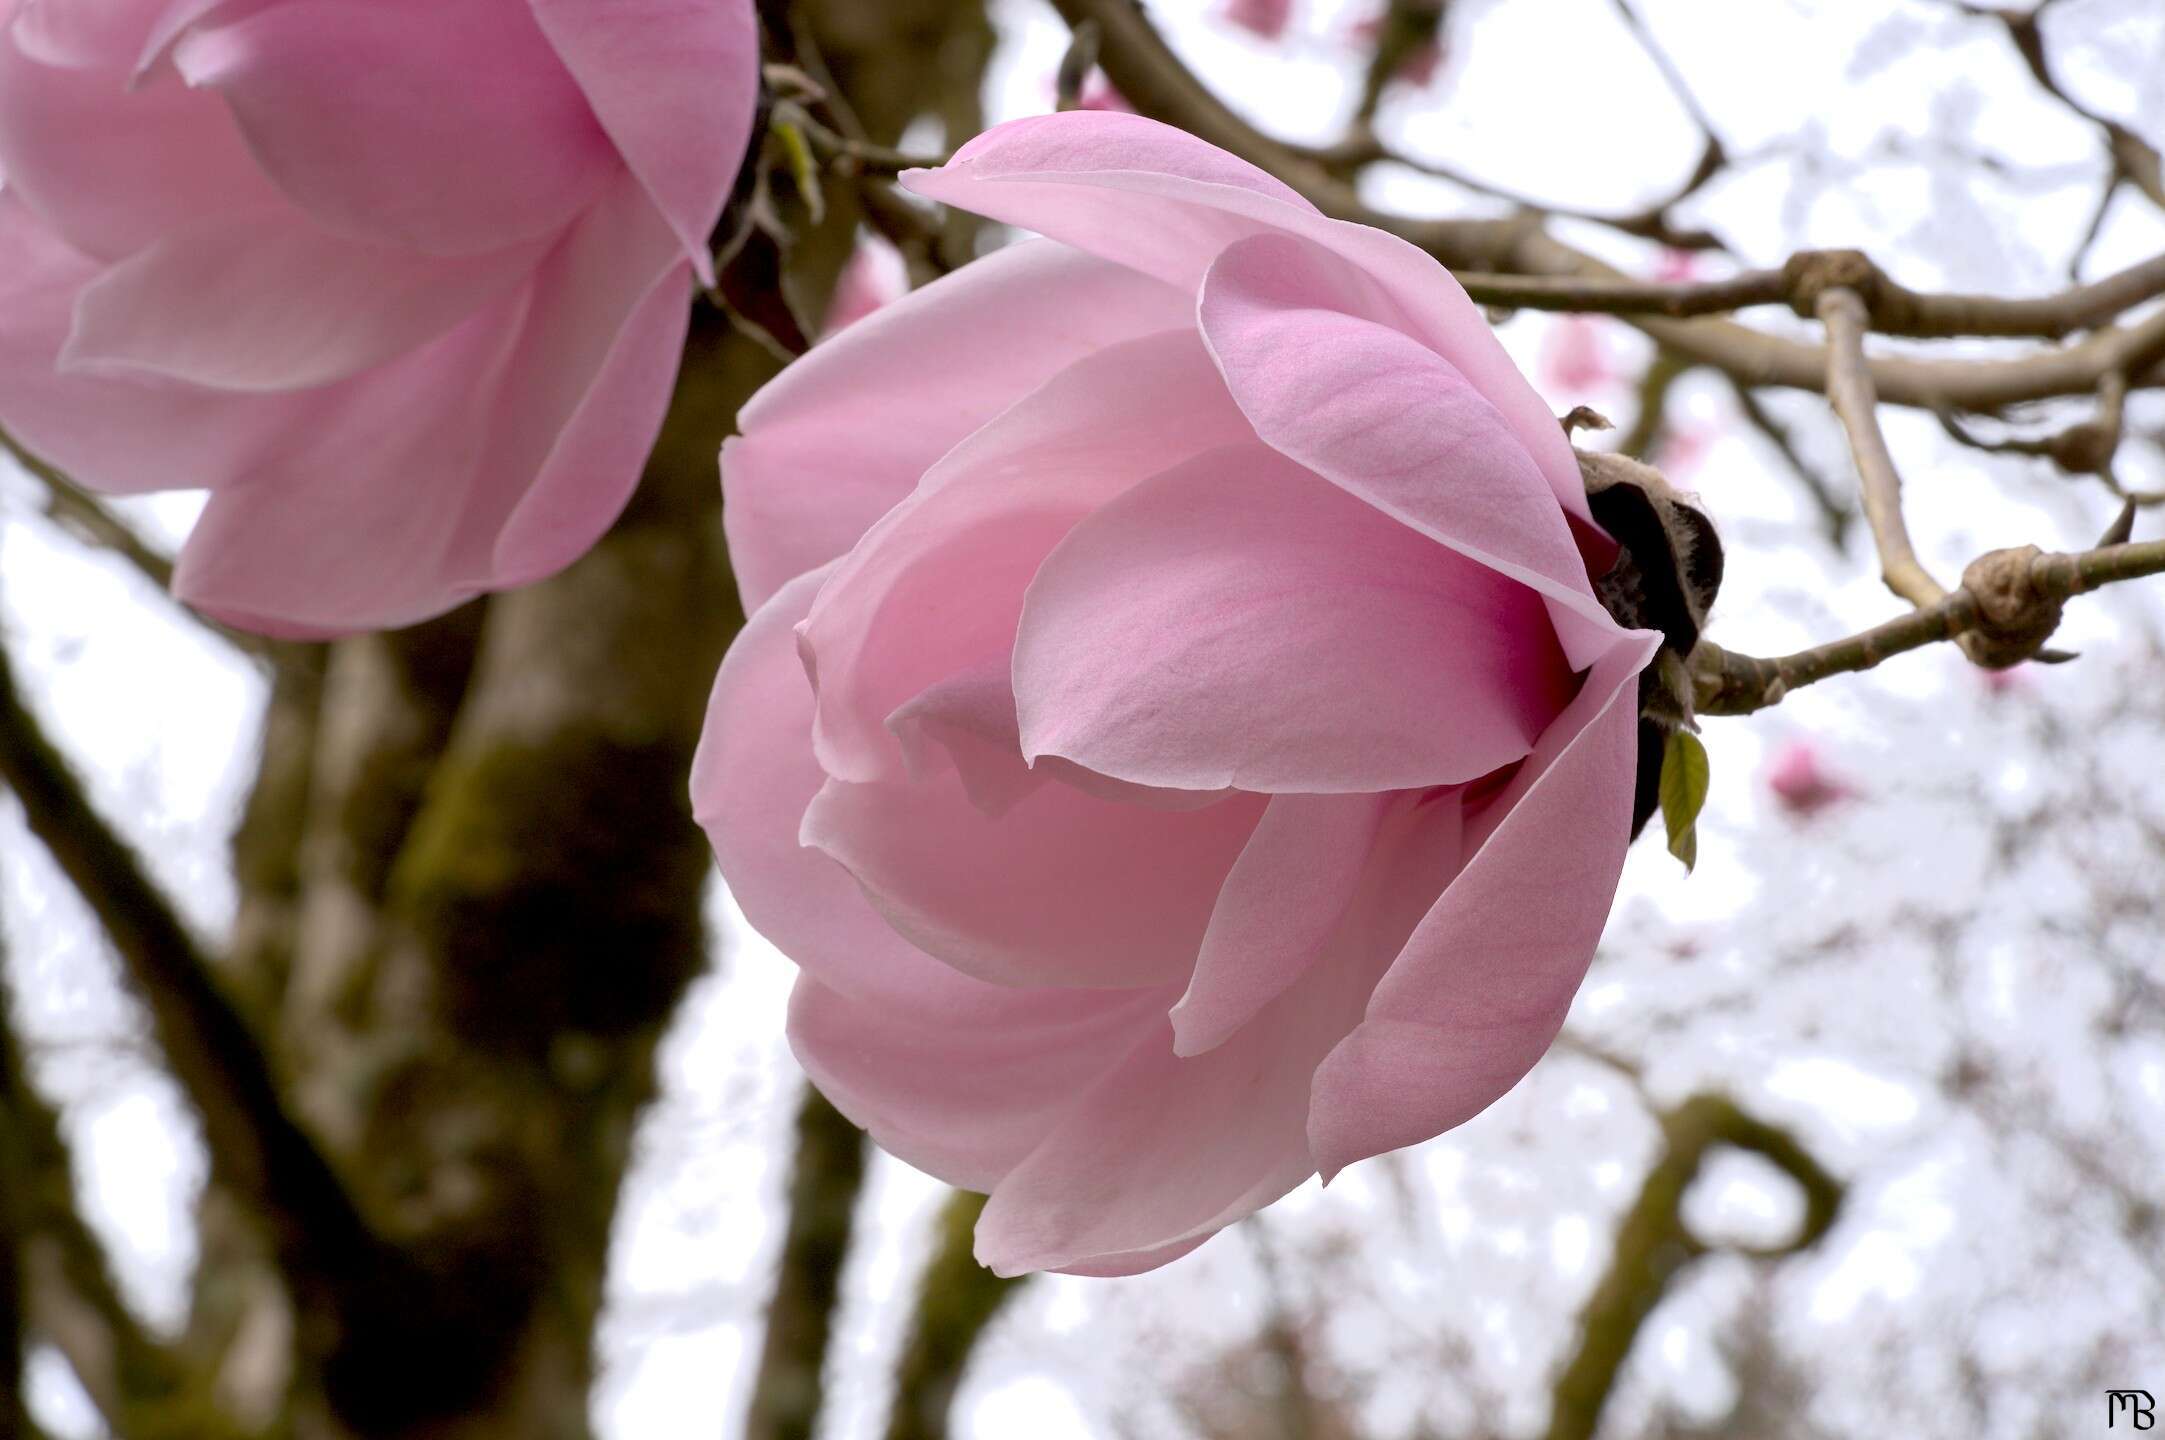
x: 1800, y: 782
x: 1267, y: 18
x: 1575, y: 358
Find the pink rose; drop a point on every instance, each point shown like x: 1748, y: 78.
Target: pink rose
x: 1176, y: 737
x: 403, y: 283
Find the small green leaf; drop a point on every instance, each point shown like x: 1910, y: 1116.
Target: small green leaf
x: 1684, y: 776
x: 803, y: 167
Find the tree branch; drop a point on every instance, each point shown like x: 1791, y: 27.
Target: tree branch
x: 957, y: 1299
x: 255, y: 1144
x: 1731, y: 684
x: 1653, y: 1245
x: 824, y: 1181
x: 1849, y: 388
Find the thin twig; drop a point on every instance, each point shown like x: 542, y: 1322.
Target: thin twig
x: 1732, y: 684
x: 1849, y: 388
x: 1894, y: 309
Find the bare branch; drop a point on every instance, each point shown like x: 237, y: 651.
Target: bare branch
x: 823, y: 1185
x: 255, y: 1143
x: 1653, y: 1245
x: 1894, y: 309
x: 68, y: 1297
x: 1732, y: 684
x: 1849, y: 388
x: 956, y: 1301
x: 1159, y: 84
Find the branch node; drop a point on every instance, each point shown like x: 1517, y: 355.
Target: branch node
x: 2015, y: 615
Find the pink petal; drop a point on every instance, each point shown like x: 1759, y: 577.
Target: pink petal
x: 351, y: 525
x: 965, y: 1102
x: 675, y: 83
x: 77, y: 36
x: 111, y: 169
x: 935, y: 588
x: 1163, y: 202
x: 1164, y: 1150
x: 445, y: 125
x: 266, y: 300
x: 586, y: 392
x: 1391, y: 421
x: 117, y: 435
x: 1061, y: 889
x: 751, y: 780
x: 966, y: 723
x: 845, y: 433
x: 1288, y: 891
x: 1236, y: 621
x: 1482, y: 986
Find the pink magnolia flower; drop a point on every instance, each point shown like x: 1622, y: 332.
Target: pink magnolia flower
x: 402, y: 283
x: 1266, y: 18
x: 1176, y: 737
x: 1800, y: 782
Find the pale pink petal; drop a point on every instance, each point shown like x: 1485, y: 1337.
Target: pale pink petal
x: 844, y: 434
x: 1391, y: 421
x: 120, y: 436
x: 1288, y: 891
x: 1482, y: 986
x: 875, y: 276
x: 1165, y: 203
x: 266, y: 300
x: 935, y: 587
x: 351, y: 524
x: 585, y: 394
x: 1155, y: 641
x: 964, y: 1101
x: 110, y: 169
x: 448, y: 126
x: 103, y: 35
x: 1165, y: 1150
x: 675, y: 83
x: 751, y: 780
x: 1061, y: 889
x: 966, y: 723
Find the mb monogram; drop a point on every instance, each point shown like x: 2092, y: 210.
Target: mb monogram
x: 2135, y: 1405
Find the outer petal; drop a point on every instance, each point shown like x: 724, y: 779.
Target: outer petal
x: 112, y: 169
x: 114, y: 435
x: 465, y: 466
x: 935, y: 588
x: 751, y: 781
x: 965, y: 1102
x: 1280, y: 906
x: 674, y: 83
x: 844, y: 434
x: 1164, y: 1150
x: 1391, y: 421
x: 350, y: 525
x: 585, y: 395
x: 1160, y: 200
x: 443, y: 125
x: 266, y: 300
x: 1482, y: 986
x: 1237, y: 621
x: 1062, y: 889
